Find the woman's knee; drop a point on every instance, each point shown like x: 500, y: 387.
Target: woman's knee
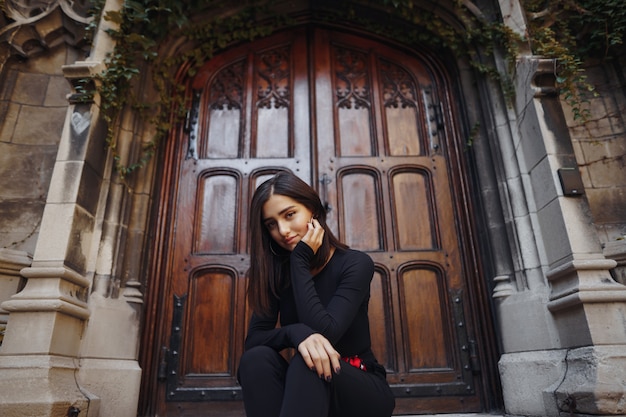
x: 260, y: 360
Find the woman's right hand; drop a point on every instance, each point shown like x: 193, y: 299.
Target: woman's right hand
x: 320, y: 356
x: 314, y: 236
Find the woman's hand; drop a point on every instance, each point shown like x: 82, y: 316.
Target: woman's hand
x: 314, y: 235
x: 320, y: 356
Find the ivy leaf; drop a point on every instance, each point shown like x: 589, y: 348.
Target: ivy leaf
x: 114, y: 16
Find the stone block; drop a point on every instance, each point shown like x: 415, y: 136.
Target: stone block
x: 51, y: 62
x: 58, y: 89
x: 115, y: 382
x: 542, y: 180
x: 55, y: 231
x: 605, y: 162
x: 8, y: 82
x: 9, y: 113
x: 554, y: 232
x: 80, y: 240
x: 41, y: 332
x: 594, y: 381
x: 39, y: 125
x: 66, y: 236
x: 75, y: 182
x: 25, y: 171
x: 608, y: 205
x: 528, y: 379
x: 83, y: 141
x: 579, y: 224
x: 113, y: 329
x: 525, y: 323
x: 30, y: 89
x: 89, y: 190
x: 65, y: 181
x: 42, y: 386
x: 19, y: 224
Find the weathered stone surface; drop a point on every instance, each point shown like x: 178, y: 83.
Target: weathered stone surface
x: 58, y: 89
x: 115, y: 382
x: 30, y: 89
x: 8, y: 118
x: 25, y: 171
x: 75, y: 182
x: 594, y: 381
x: 606, y: 162
x: 19, y: 224
x: 526, y: 376
x: 42, y: 386
x: 49, y: 63
x: 39, y: 125
x: 608, y: 205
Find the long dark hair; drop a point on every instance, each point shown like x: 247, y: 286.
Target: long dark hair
x: 269, y: 273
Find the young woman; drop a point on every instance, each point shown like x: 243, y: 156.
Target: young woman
x: 320, y: 289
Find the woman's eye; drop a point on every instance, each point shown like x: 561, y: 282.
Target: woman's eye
x: 271, y: 225
x: 290, y: 214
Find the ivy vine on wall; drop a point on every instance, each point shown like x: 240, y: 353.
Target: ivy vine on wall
x: 571, y: 32
x: 142, y: 27
x: 567, y: 30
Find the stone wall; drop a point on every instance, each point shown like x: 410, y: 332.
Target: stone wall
x: 33, y: 106
x: 600, y: 146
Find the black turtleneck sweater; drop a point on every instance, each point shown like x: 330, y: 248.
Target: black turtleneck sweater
x: 334, y: 303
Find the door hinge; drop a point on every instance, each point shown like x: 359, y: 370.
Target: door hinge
x: 162, y: 374
x: 324, y: 181
x: 474, y: 360
x: 191, y: 126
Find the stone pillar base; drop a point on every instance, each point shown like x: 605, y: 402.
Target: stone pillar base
x: 116, y: 382
x: 528, y: 382
x: 594, y: 382
x: 586, y: 381
x: 43, y: 386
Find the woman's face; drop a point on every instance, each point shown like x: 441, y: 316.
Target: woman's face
x: 286, y: 220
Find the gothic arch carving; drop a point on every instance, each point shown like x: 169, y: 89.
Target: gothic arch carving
x: 31, y: 26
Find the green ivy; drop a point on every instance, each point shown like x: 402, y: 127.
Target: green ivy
x: 142, y: 27
x: 571, y: 32
x: 566, y: 30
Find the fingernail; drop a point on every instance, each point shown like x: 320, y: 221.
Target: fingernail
x: 338, y: 370
x: 328, y: 378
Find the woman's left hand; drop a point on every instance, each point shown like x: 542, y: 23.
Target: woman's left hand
x: 320, y: 356
x: 315, y: 235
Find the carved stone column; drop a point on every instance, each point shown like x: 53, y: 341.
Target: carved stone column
x: 588, y: 306
x: 47, y: 318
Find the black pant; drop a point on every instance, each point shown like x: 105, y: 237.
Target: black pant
x: 273, y: 387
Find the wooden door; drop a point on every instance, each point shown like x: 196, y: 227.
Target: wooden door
x: 366, y: 125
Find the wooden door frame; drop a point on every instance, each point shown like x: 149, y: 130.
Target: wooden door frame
x: 165, y: 188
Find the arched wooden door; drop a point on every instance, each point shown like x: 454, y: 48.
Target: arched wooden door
x: 369, y: 127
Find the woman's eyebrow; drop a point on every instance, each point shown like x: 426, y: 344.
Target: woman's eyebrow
x: 279, y: 213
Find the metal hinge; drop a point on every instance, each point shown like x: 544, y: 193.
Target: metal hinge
x: 162, y: 374
x: 191, y: 126
x: 473, y: 353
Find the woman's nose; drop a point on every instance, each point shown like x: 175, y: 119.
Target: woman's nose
x: 282, y: 228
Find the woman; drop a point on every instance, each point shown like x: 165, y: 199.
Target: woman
x: 319, y: 288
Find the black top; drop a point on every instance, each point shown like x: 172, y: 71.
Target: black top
x: 334, y: 303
